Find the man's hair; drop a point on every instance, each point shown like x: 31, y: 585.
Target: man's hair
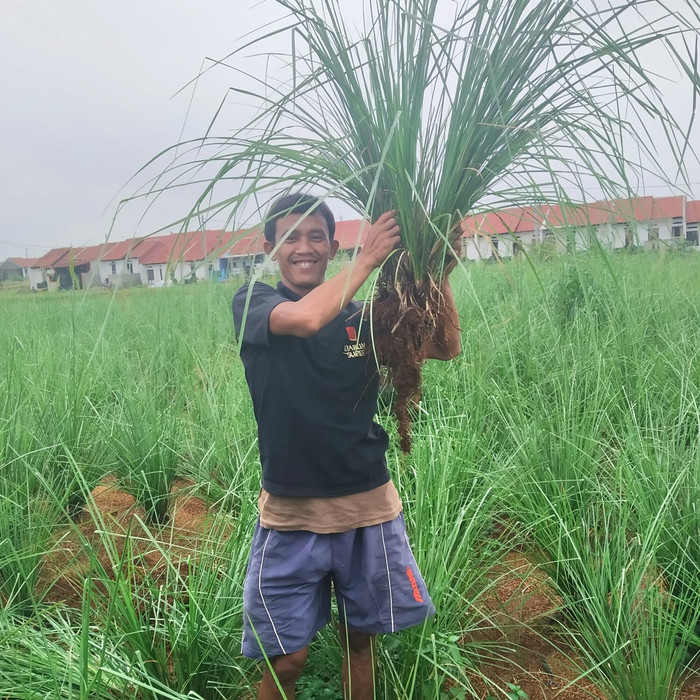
x: 298, y: 203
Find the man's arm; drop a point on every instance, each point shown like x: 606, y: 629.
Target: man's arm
x: 321, y: 305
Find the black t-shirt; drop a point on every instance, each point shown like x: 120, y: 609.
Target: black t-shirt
x: 314, y: 399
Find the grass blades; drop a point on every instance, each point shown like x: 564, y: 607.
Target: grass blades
x: 437, y: 110
x: 571, y: 417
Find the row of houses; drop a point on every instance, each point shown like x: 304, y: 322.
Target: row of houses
x: 156, y: 260
x: 649, y: 222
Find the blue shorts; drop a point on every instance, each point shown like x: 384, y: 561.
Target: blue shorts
x: 287, y: 593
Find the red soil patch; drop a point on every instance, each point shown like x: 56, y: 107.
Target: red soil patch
x: 523, y: 609
x: 520, y: 611
x: 105, y: 523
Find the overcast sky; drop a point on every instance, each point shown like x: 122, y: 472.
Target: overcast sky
x: 87, y: 98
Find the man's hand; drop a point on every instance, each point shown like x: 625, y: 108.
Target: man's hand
x: 384, y: 235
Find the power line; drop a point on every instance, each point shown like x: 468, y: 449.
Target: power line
x: 17, y: 244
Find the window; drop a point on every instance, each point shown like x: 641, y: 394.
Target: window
x: 114, y: 268
x: 691, y: 234
x: 191, y: 267
x: 160, y: 272
x: 653, y: 232
x: 494, y: 243
x: 677, y: 227
x: 130, y: 267
x: 150, y: 274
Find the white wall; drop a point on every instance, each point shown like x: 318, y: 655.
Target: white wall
x: 237, y: 265
x: 162, y: 272
x: 481, y: 247
x: 106, y: 269
x: 36, y: 275
x: 477, y: 248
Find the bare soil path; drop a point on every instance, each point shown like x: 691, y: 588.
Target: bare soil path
x: 522, y: 609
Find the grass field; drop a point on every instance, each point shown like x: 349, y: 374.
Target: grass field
x: 551, y: 496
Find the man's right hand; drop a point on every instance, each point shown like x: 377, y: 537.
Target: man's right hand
x: 383, y: 236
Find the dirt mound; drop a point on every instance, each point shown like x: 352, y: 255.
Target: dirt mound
x: 110, y: 519
x: 521, y: 611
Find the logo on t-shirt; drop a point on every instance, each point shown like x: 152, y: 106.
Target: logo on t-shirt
x: 354, y: 348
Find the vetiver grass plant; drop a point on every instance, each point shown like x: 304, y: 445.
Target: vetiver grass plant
x: 437, y: 110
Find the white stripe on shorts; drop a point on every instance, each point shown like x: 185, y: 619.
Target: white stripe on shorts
x: 262, y: 561
x: 388, y: 575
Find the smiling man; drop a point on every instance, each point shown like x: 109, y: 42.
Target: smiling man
x: 329, y: 513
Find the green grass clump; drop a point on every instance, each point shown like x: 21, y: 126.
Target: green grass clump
x: 571, y: 418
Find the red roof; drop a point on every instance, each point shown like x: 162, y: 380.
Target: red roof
x: 692, y: 212
x: 189, y: 246
x: 351, y: 234
x: 124, y: 249
x: 65, y: 257
x: 617, y: 211
x: 49, y: 259
x: 246, y: 243
x: 154, y: 251
x: 523, y: 219
x: 87, y: 254
x: 513, y: 220
x: 639, y: 209
x: 581, y: 214
x: 348, y: 233
x: 668, y: 207
x: 24, y: 262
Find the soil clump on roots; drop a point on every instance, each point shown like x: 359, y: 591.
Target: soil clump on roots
x: 404, y: 318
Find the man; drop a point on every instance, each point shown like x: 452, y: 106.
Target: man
x: 329, y: 513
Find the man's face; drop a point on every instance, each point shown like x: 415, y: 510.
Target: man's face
x: 304, y: 254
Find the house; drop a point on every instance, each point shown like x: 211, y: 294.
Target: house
x: 351, y: 235
x: 502, y: 233
x: 245, y: 255
x: 155, y: 260
x: 15, y: 268
x: 649, y: 222
x: 118, y: 264
x: 10, y: 271
x: 66, y: 268
x: 42, y: 273
x: 182, y: 257
x: 692, y: 223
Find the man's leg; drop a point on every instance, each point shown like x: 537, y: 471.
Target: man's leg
x: 287, y: 668
x: 286, y: 600
x: 358, y: 664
